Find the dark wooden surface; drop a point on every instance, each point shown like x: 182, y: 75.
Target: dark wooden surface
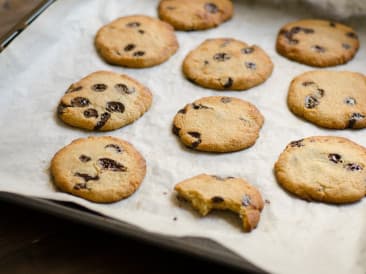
x: 33, y: 242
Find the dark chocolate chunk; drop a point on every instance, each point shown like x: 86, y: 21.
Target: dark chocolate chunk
x: 79, y: 186
x: 111, y: 165
x: 308, y: 30
x: 206, y: 62
x: 308, y: 83
x: 221, y: 57
x: 133, y: 24
x: 103, y: 120
x: 318, y: 48
x: 248, y: 50
x: 352, y: 35
x: 335, y: 158
x: 87, y: 177
x: 124, y: 88
x: 182, y: 111
x: 225, y: 100
x: 332, y: 24
x: 84, y: 158
x: 175, y: 130
x: 217, y: 199
x: 115, y: 107
x: 211, y: 8
x: 350, y: 101
x: 311, y: 102
x: 61, y: 107
x: 141, y: 31
x: 354, y: 118
x: 250, y: 65
x: 79, y: 102
x: 196, y: 135
x: 199, y: 106
x: 129, y: 47
x: 91, y: 112
x: 74, y: 89
x: 353, y: 167
x: 320, y: 92
x: 228, y: 83
x: 346, y: 46
x: 99, y: 87
x: 297, y: 143
x: 139, y: 53
x: 115, y: 147
x: 246, y: 201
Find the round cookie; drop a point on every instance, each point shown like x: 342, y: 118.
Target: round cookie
x: 104, y: 101
x: 207, y: 192
x: 323, y: 168
x: 227, y: 64
x: 317, y: 43
x: 195, y: 14
x: 136, y: 41
x: 330, y: 99
x: 218, y: 124
x: 100, y: 169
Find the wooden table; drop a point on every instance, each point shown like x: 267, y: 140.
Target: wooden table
x: 33, y: 242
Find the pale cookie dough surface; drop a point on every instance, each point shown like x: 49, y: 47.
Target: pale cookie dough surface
x: 318, y: 43
x: 207, y: 192
x: 100, y: 169
x: 323, y: 168
x: 104, y: 101
x: 136, y: 41
x: 195, y: 14
x: 227, y: 64
x: 218, y: 124
x: 331, y: 99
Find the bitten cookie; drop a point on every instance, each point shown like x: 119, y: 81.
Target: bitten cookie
x: 100, y: 169
x: 218, y: 124
x: 324, y: 168
x: 104, y: 101
x: 331, y: 99
x: 317, y: 43
x: 195, y: 14
x: 136, y: 41
x: 207, y: 192
x: 227, y: 64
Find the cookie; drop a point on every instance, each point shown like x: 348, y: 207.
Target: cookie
x: 330, y: 99
x: 100, y: 169
x: 207, y: 192
x: 227, y: 64
x: 195, y: 14
x: 136, y: 41
x: 104, y: 101
x: 317, y: 43
x: 323, y: 168
x: 218, y: 124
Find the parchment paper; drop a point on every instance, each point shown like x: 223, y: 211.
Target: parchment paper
x: 293, y: 236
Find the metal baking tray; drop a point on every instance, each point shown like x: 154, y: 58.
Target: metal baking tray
x: 198, y: 247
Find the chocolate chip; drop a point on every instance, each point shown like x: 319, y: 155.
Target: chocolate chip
x: 84, y: 158
x: 211, y: 8
x: 124, y: 89
x: 307, y: 83
x: 308, y: 30
x: 217, y: 199
x: 79, y: 186
x: 320, y: 92
x: 250, y: 65
x: 115, y: 147
x: 332, y: 24
x: 74, y: 89
x: 138, y: 53
x: 141, y: 31
x: 246, y: 201
x: 352, y: 35
x: 115, y: 107
x: 318, y: 48
x: 87, y: 177
x: 79, y: 102
x: 61, y: 107
x: 295, y: 30
x: 346, y: 46
x: 103, y: 120
x: 350, y: 101
x: 335, y: 158
x: 247, y: 50
x: 206, y: 62
x: 297, y: 143
x: 354, y: 118
x: 182, y: 111
x: 111, y: 165
x: 311, y: 102
x: 91, y: 112
x: 196, y: 135
x: 129, y: 47
x: 175, y: 130
x: 221, y: 57
x: 225, y: 100
x: 353, y: 167
x: 170, y: 8
x: 228, y: 83
x: 99, y: 87
x: 133, y: 24
x: 199, y: 106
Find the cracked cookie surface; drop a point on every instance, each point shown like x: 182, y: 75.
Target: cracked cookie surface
x: 207, y: 192
x: 218, y: 124
x: 323, y: 168
x: 100, y: 169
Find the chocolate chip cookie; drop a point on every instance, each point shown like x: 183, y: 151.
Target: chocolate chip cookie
x: 195, y: 14
x: 227, y: 64
x: 104, y: 101
x: 317, y: 43
x: 100, y: 169
x: 218, y: 124
x: 323, y: 168
x: 207, y: 192
x: 330, y: 99
x: 136, y: 41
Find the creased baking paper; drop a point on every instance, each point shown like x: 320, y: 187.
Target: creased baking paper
x: 293, y: 236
